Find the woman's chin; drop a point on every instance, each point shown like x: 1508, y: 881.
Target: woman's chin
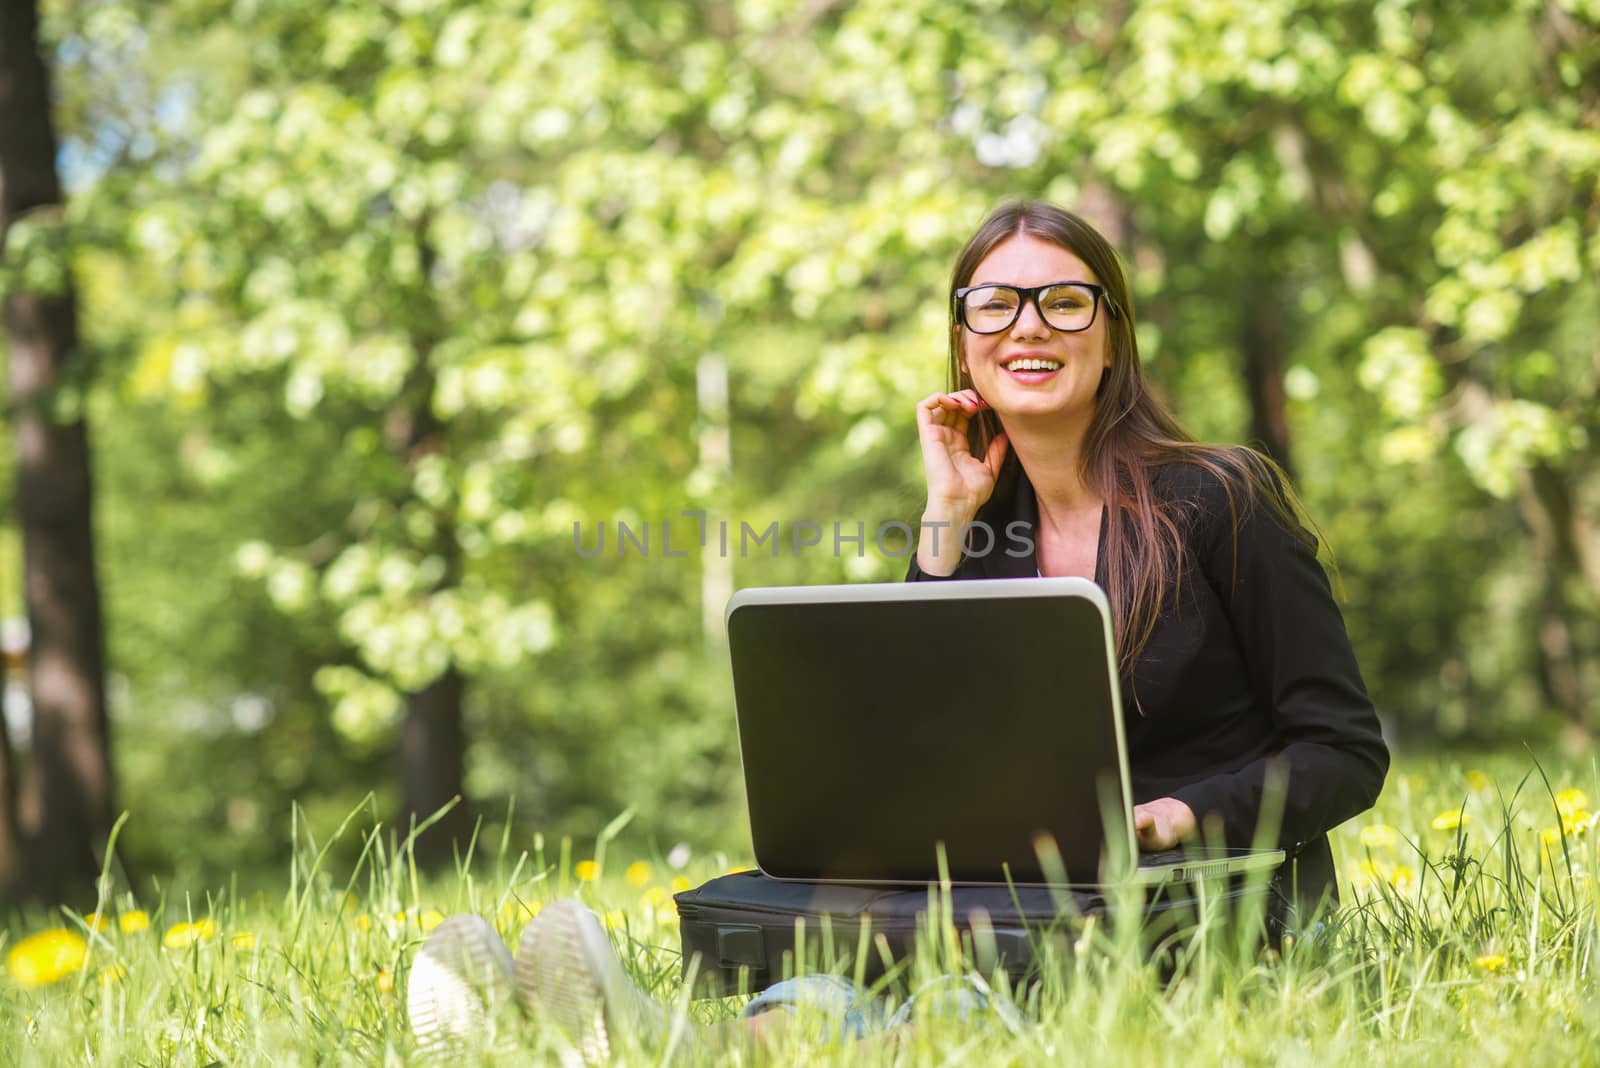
x: 1027, y: 400
x: 1029, y: 405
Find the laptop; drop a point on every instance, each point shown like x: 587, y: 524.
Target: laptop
x: 901, y: 733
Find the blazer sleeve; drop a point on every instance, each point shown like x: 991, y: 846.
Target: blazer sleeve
x: 915, y: 573
x: 1303, y: 672
x: 965, y: 569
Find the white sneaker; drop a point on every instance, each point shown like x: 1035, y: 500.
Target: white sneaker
x: 567, y: 973
x: 462, y: 973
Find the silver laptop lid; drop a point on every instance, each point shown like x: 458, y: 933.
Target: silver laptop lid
x: 879, y: 722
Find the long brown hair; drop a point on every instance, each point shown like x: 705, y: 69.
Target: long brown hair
x: 1131, y: 433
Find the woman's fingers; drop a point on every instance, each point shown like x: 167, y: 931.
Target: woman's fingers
x: 964, y: 399
x: 950, y: 409
x: 944, y: 409
x: 970, y: 396
x: 967, y: 400
x: 1152, y: 835
x: 935, y: 405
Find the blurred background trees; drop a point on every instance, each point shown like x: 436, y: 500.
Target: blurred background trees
x: 53, y: 817
x: 381, y: 298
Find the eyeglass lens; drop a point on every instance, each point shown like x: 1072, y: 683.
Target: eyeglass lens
x: 991, y: 309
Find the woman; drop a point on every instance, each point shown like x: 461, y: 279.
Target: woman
x: 1235, y: 666
x: 1051, y: 457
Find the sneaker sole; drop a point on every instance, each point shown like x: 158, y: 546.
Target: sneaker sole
x: 459, y: 971
x: 560, y: 975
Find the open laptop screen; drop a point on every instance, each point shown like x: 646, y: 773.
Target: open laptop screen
x: 878, y: 721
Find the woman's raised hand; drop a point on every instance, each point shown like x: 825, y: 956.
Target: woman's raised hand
x: 958, y: 482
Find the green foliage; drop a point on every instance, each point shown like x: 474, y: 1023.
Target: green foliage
x: 385, y: 297
x: 36, y: 255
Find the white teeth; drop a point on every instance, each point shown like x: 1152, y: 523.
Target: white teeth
x: 1033, y: 365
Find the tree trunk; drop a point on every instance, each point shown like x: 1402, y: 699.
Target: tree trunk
x: 433, y: 747
x: 1566, y: 644
x: 10, y: 844
x: 1261, y: 344
x: 433, y: 737
x: 66, y: 803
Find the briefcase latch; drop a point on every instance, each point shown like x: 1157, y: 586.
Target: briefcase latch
x: 741, y: 946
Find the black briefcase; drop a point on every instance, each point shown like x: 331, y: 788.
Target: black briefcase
x: 740, y: 932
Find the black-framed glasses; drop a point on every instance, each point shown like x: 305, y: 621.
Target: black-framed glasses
x: 1065, y: 306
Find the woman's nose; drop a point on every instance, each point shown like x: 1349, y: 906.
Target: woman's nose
x: 1029, y: 322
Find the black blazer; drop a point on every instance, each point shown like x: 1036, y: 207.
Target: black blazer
x: 1250, y: 667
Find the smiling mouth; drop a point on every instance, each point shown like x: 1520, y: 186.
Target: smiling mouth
x: 1032, y: 369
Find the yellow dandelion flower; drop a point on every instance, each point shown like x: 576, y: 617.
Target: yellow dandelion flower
x: 1577, y: 821
x: 243, y: 940
x: 430, y: 919
x: 1550, y: 845
x: 133, y: 922
x: 615, y: 919
x: 1477, y: 779
x: 183, y: 935
x: 363, y: 922
x: 680, y: 884
x: 638, y: 873
x: 658, y: 905
x: 112, y: 973
x: 1365, y: 873
x: 514, y: 913
x: 1402, y: 877
x: 46, y: 957
x: 1491, y: 962
x: 1449, y: 821
x: 1571, y: 801
x: 1379, y: 836
x: 96, y: 922
x: 385, y: 982
x: 587, y: 871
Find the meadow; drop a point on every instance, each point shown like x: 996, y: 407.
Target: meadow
x: 1467, y: 936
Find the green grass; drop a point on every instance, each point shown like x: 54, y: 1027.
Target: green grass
x: 1454, y: 946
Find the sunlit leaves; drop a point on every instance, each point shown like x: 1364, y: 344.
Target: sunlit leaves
x: 1397, y: 366
x: 1512, y: 435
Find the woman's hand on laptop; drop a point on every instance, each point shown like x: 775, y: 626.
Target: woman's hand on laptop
x: 1162, y: 824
